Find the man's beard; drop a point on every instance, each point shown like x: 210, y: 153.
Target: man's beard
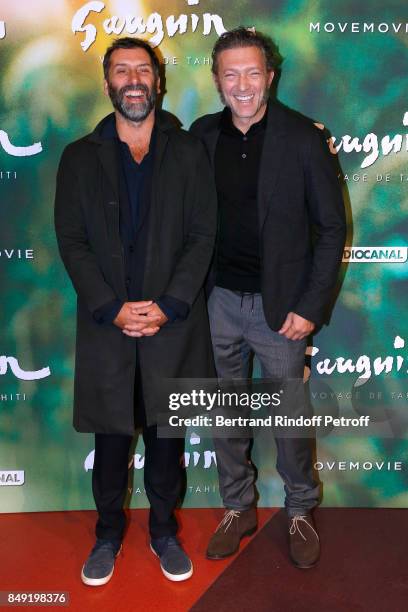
x: 134, y: 111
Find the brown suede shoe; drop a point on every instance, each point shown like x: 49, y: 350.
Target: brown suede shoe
x: 304, y: 544
x: 233, y: 527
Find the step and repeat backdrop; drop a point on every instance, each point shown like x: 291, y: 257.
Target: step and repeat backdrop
x: 345, y: 66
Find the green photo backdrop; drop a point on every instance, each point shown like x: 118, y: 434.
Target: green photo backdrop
x: 345, y: 67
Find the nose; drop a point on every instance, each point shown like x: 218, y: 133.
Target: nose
x: 134, y: 77
x: 242, y: 82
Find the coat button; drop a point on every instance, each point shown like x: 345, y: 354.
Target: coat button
x: 131, y: 248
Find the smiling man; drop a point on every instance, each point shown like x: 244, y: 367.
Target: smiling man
x: 279, y: 248
x: 135, y: 222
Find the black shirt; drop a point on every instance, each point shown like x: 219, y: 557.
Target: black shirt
x: 136, y: 175
x: 237, y: 160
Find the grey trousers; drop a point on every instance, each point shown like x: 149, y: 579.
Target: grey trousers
x: 238, y: 329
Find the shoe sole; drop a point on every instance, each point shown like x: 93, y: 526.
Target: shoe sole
x: 98, y: 581
x: 299, y: 566
x: 220, y: 557
x: 173, y: 577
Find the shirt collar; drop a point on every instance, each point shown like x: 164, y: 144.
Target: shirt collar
x: 228, y: 127
x: 109, y: 132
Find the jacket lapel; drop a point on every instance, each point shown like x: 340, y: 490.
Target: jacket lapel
x: 271, y: 159
x: 210, y: 141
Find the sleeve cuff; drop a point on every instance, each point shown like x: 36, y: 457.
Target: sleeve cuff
x: 107, y: 313
x: 174, y: 309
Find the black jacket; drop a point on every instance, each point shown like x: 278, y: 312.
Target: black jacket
x: 302, y: 223
x: 182, y: 223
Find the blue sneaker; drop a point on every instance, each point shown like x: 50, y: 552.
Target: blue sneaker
x: 99, y: 566
x: 174, y: 562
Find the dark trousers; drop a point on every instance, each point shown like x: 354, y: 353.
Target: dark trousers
x: 162, y: 479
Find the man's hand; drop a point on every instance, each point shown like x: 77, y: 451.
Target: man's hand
x: 296, y: 327
x: 154, y: 319
x: 137, y: 319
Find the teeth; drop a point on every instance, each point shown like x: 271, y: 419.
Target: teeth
x: 244, y: 98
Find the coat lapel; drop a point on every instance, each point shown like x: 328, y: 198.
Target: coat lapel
x: 155, y: 216
x: 271, y: 159
x: 107, y: 154
x: 108, y: 157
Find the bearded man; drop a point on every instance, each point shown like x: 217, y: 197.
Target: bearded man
x: 135, y: 221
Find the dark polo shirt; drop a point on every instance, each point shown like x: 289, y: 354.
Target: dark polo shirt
x: 237, y: 161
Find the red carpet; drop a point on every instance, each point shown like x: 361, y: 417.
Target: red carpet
x: 363, y: 566
x: 45, y: 552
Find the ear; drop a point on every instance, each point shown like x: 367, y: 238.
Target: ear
x: 105, y: 88
x: 158, y: 87
x: 271, y: 74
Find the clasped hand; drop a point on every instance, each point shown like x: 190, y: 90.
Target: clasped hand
x: 137, y: 319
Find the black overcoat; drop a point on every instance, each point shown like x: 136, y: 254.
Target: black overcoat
x: 180, y: 243
x: 302, y: 223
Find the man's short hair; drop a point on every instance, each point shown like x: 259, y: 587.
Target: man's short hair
x: 130, y: 43
x: 247, y: 37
